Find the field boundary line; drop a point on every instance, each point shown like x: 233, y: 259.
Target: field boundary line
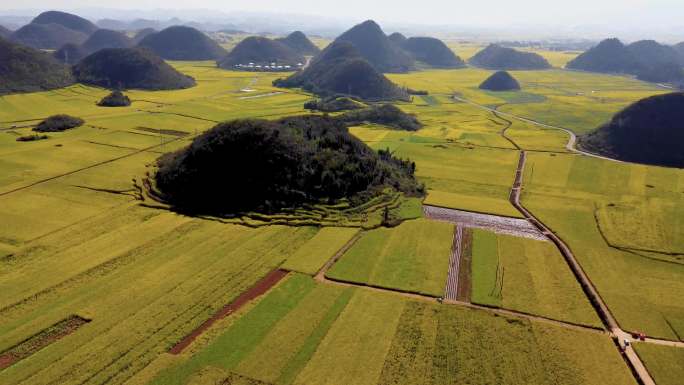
x: 488, y: 309
x: 258, y: 289
x: 320, y: 275
x: 632, y: 360
x: 147, y: 149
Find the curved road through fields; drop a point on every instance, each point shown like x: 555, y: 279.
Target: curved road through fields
x: 572, y: 141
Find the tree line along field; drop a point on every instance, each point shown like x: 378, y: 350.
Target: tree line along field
x: 305, y: 332
x: 146, y: 277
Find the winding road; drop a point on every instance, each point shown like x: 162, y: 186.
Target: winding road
x: 572, y: 141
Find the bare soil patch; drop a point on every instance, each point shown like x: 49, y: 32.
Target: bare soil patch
x: 255, y: 291
x: 39, y: 341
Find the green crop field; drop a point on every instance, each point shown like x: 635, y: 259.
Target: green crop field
x: 77, y: 241
x: 307, y: 333
x: 665, y: 363
x: 312, y: 255
x: 413, y: 257
x: 529, y: 276
x: 583, y: 198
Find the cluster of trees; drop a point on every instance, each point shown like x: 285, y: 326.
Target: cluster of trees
x: 58, y: 123
x: 264, y: 166
x: 384, y: 114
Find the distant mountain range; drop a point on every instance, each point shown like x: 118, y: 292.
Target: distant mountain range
x: 647, y: 59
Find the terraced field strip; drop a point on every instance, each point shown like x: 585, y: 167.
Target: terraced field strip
x: 635, y: 363
x: 451, y: 290
x: 255, y: 291
x: 40, y: 340
x: 500, y: 225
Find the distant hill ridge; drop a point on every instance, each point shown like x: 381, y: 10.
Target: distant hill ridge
x: 101, y: 39
x: 341, y: 70
x: 300, y: 43
x: 374, y: 46
x: 47, y: 36
x: 650, y: 131
x: 496, y: 57
x: 261, y: 52
x: 182, y: 43
x: 67, y: 20
x: 647, y: 59
x: 431, y: 51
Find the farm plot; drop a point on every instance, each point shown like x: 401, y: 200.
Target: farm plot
x: 145, y: 279
x: 665, y: 363
x: 640, y: 289
x: 412, y: 257
x: 317, y: 251
x: 305, y: 332
x: 528, y: 276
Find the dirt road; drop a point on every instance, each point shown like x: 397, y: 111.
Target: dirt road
x: 572, y: 141
x: 587, y: 285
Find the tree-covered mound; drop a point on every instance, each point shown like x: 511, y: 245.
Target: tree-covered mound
x: 609, y: 56
x: 58, y: 123
x: 650, y: 131
x: 183, y: 43
x: 143, y: 33
x: 384, y: 114
x: 340, y: 70
x: 115, y: 99
x: 432, y: 52
x: 106, y: 38
x: 70, y: 54
x: 500, y: 81
x: 496, y: 57
x: 267, y: 166
x: 24, y: 69
x: 301, y: 44
x: 125, y: 68
x: 47, y: 36
x: 67, y: 20
x: 334, y: 104
x: 374, y: 46
x: 261, y: 51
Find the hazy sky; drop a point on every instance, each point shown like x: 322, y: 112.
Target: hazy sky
x: 658, y: 13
